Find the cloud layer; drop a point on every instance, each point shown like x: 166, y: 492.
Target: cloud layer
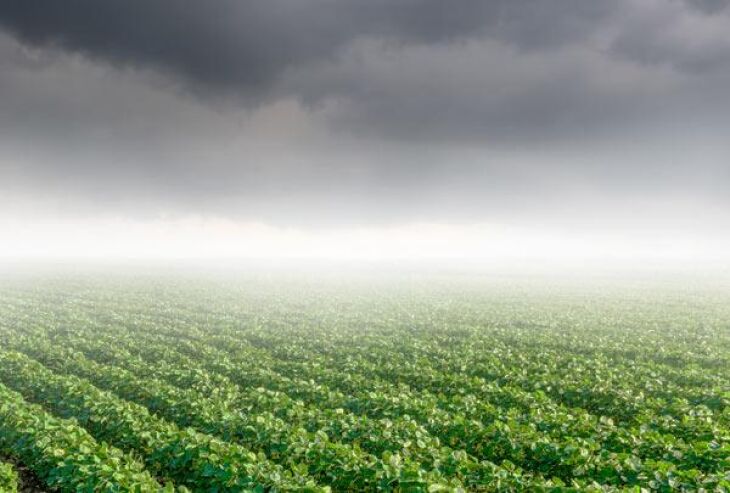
x: 342, y: 111
x: 248, y: 47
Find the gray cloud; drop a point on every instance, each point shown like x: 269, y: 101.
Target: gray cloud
x: 439, y: 70
x: 709, y: 6
x: 694, y: 39
x: 342, y: 110
x: 246, y: 47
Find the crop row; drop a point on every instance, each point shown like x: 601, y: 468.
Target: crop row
x: 185, y: 456
x: 594, y: 385
x: 63, y: 455
x: 298, y: 386
x: 296, y: 435
x: 475, y: 390
x: 599, y: 395
x: 511, y: 436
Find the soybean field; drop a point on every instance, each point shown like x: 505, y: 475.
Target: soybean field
x: 147, y: 382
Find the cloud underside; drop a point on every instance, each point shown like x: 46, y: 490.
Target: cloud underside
x: 364, y: 111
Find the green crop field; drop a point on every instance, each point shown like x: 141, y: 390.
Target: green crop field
x: 415, y: 383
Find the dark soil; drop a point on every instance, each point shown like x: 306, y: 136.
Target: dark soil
x: 29, y: 482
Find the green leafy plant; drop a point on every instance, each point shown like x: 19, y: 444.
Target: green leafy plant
x: 451, y: 387
x: 8, y: 478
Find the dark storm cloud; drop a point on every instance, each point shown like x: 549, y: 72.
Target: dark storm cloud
x: 246, y: 47
x: 460, y: 66
x: 379, y: 110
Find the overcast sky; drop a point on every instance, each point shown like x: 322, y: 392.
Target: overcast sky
x: 573, y: 114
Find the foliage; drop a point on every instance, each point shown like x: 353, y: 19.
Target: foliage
x: 8, y: 478
x: 64, y: 455
x: 365, y: 386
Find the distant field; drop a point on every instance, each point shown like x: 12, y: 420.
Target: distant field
x: 161, y: 382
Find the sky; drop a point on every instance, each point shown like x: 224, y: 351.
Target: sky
x: 326, y: 128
